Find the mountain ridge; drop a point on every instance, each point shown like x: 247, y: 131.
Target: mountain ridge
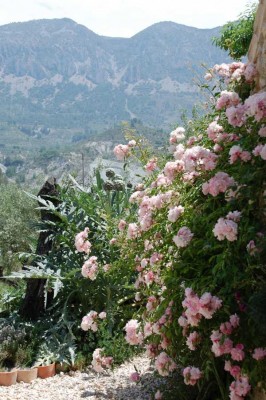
x: 54, y: 69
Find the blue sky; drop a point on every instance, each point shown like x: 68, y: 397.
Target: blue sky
x: 124, y: 18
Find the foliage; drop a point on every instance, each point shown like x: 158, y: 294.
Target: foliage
x: 17, y: 219
x: 235, y: 37
x: 198, y: 243
x: 58, y: 330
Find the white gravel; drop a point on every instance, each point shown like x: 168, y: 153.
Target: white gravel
x: 89, y: 385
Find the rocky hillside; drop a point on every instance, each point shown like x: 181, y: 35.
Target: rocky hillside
x: 59, y: 74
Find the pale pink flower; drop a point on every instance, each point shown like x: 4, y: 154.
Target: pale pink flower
x: 173, y: 168
x: 192, y: 340
x: 177, y: 135
x: 179, y: 151
x: 191, y: 375
x: 218, y: 184
x: 237, y: 352
x: 262, y: 131
x: 164, y: 364
x: 81, y: 243
x: 147, y: 329
x: 149, y: 277
x: 112, y: 241
x: 257, y: 150
x: 227, y: 99
x: 234, y: 320
x: 236, y: 115
x: 225, y: 229
x: 132, y: 335
x: 90, y: 268
x: 135, y: 377
x: 151, y: 165
x: 122, y: 224
x: 240, y: 387
x: 174, y: 213
x: 106, y: 267
x: 102, y: 315
x: 132, y: 143
x: 208, y: 76
x: 121, y: 151
x: 182, y: 321
x: 234, y: 370
x: 152, y: 303
x: 99, y: 361
x: 132, y: 231
x: 256, y: 106
x: 213, y: 130
x: 259, y: 353
x: 89, y: 322
x: 226, y: 328
x: 234, y: 215
x: 183, y: 237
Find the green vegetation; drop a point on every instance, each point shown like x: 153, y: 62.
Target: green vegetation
x: 235, y: 37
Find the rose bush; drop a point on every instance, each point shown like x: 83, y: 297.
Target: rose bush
x: 197, y: 243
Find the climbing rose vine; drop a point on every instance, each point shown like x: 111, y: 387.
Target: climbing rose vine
x: 197, y: 242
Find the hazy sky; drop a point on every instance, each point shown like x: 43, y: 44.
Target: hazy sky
x: 124, y: 17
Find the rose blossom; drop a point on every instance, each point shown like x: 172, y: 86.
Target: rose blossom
x: 174, y: 213
x: 219, y: 183
x: 259, y: 353
x: 81, y: 243
x: 90, y: 268
x: 237, y: 352
x: 225, y: 229
x: 122, y: 224
x: 134, y: 377
x: 121, y: 151
x: 191, y: 375
x: 177, y: 135
x: 183, y: 237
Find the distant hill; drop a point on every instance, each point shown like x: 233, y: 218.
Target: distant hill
x: 59, y: 74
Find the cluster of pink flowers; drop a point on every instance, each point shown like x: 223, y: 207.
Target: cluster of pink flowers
x: 260, y: 150
x: 174, y: 213
x: 239, y: 388
x: 227, y: 228
x: 177, y: 135
x: 236, y: 115
x: 227, y: 99
x: 121, y: 151
x: 81, y: 242
x: 151, y: 165
x: 219, y: 183
x: 164, y: 364
x: 236, y: 153
x: 196, y: 308
x: 222, y: 344
x: 259, y: 353
x: 90, y: 268
x: 121, y: 225
x: 99, y: 362
x: 256, y: 106
x: 234, y: 72
x: 191, y: 375
x: 90, y: 321
x: 193, y: 340
x: 183, y: 237
x: 133, y: 335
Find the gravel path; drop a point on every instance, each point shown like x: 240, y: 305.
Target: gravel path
x: 89, y: 385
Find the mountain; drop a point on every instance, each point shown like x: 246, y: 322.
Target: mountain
x: 58, y: 74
